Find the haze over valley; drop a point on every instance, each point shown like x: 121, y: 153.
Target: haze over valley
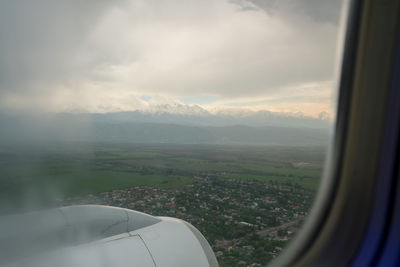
x: 177, y: 124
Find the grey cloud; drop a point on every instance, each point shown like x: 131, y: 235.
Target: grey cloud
x: 246, y: 5
x: 322, y: 10
x: 40, y: 40
x: 318, y: 10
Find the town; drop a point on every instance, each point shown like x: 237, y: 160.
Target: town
x: 247, y: 222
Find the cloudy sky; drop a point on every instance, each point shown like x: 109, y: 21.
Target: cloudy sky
x: 106, y: 55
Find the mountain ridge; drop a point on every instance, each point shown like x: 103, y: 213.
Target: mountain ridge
x: 255, y: 119
x: 97, y: 128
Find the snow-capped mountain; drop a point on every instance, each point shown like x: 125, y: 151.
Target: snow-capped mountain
x: 177, y: 109
x: 165, y: 120
x: 165, y: 109
x: 162, y: 109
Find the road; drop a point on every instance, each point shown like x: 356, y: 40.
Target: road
x: 262, y: 233
x: 271, y: 230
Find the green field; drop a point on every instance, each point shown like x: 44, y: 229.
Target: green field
x: 56, y: 171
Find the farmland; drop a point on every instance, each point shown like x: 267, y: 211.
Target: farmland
x: 76, y: 169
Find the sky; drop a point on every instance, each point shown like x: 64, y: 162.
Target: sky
x: 102, y: 56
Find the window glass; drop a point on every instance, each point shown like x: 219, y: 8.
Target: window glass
x: 218, y: 112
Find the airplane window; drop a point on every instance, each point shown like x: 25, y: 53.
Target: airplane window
x: 216, y: 112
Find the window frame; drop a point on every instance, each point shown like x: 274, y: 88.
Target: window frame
x: 364, y: 149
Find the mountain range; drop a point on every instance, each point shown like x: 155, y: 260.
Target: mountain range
x: 185, y: 124
x: 195, y: 115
